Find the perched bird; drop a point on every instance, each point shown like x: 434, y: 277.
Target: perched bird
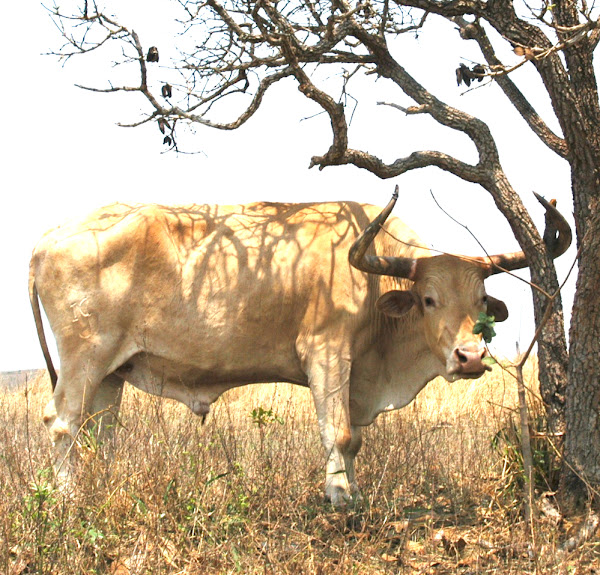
x: 465, y: 75
x: 152, y: 54
x: 478, y: 71
x: 163, y: 125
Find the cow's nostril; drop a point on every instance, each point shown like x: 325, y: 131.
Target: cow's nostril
x: 469, y: 360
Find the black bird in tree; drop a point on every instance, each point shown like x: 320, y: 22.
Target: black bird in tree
x: 152, y: 54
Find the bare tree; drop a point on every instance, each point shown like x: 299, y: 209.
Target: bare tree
x: 236, y: 50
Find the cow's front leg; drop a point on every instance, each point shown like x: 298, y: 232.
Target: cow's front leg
x: 329, y: 379
x: 349, y: 456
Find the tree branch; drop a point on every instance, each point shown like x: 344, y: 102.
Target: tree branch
x: 473, y: 30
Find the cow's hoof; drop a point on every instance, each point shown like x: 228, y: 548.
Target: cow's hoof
x: 340, y: 499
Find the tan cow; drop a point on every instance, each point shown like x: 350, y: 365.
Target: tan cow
x: 188, y: 302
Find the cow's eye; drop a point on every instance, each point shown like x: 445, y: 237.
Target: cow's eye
x: 484, y: 299
x: 429, y: 302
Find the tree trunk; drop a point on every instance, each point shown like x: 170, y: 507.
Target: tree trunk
x: 581, y: 466
x: 581, y: 453
x: 580, y: 121
x: 552, y: 344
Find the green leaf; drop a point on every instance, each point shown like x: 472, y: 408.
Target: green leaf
x: 485, y: 326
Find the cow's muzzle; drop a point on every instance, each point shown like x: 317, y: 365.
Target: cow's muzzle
x: 467, y: 361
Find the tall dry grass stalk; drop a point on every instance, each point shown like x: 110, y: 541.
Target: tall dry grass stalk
x: 243, y: 493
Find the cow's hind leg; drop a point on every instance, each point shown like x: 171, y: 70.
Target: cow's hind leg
x: 68, y: 410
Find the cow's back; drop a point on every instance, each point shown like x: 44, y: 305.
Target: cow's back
x: 225, y: 289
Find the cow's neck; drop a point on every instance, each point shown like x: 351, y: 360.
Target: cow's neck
x: 393, y: 371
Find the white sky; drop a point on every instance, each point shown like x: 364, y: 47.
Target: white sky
x: 63, y: 155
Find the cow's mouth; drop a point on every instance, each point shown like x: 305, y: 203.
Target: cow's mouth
x: 474, y: 374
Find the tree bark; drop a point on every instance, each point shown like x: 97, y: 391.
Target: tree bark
x: 580, y: 477
x: 581, y: 453
x: 552, y: 345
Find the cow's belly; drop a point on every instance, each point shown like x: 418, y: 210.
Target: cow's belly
x: 198, y: 386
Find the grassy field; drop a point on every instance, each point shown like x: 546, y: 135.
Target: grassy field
x: 242, y: 493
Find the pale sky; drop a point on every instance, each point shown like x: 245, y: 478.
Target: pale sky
x: 63, y: 155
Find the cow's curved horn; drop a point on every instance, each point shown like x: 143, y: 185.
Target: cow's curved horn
x: 382, y: 265
x: 557, y: 237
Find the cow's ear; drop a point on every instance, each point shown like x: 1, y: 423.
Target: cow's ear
x: 396, y: 303
x: 497, y: 308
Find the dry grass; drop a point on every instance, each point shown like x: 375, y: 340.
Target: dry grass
x: 440, y: 482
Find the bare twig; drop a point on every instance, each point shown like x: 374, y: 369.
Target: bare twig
x: 526, y: 449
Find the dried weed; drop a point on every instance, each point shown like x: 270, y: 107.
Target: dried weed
x: 243, y: 493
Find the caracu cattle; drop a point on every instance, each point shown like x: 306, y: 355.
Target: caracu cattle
x: 188, y: 302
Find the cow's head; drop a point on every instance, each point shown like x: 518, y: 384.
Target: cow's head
x: 448, y: 290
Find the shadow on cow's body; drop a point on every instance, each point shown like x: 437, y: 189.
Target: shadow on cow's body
x: 188, y: 302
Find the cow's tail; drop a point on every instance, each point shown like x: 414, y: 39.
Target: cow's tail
x: 37, y: 314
